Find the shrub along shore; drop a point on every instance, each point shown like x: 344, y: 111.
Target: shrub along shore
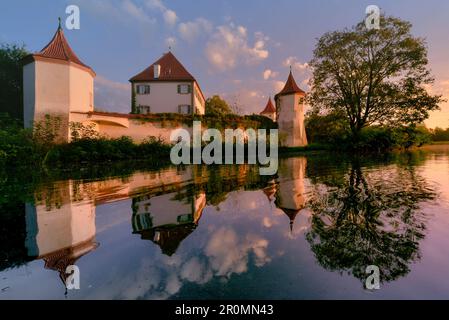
x: 37, y: 147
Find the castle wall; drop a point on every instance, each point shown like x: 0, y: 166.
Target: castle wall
x: 292, y: 132
x: 82, y: 90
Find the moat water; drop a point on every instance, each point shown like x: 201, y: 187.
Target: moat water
x: 205, y: 232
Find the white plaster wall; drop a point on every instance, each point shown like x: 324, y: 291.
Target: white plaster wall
x: 291, y: 121
x: 163, y: 97
x: 291, y: 183
x: 81, y: 90
x: 46, y: 91
x: 140, y: 130
x: 63, y: 227
x: 200, y: 104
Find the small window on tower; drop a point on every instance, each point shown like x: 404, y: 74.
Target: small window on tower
x: 301, y: 100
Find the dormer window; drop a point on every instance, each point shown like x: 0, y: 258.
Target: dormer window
x: 184, y: 89
x: 143, y: 89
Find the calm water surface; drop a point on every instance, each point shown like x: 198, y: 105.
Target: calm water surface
x: 225, y: 232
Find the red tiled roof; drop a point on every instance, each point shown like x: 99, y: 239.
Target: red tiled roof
x: 58, y: 48
x: 171, y: 70
x: 290, y: 87
x: 269, y: 108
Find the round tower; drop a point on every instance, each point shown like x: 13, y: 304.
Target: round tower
x: 290, y: 104
x: 56, y: 83
x: 269, y: 111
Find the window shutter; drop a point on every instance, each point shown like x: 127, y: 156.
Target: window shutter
x: 179, y: 88
x: 190, y: 88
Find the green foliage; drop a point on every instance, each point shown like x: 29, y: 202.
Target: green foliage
x: 373, y: 77
x: 331, y: 130
x: 133, y: 101
x: 217, y: 107
x: 439, y: 134
x: 11, y: 82
x: 80, y: 131
x: 101, y: 150
x: 16, y: 143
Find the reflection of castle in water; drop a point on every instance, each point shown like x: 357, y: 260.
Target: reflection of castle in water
x: 290, y: 191
x: 62, y: 232
x: 166, y: 207
x: 61, y: 226
x: 167, y: 220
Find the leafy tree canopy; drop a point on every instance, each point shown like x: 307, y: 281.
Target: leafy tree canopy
x: 218, y: 107
x: 11, y: 79
x: 373, y: 76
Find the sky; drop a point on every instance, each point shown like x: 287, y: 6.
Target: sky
x: 241, y: 50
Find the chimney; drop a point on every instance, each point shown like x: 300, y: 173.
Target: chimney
x: 157, y: 71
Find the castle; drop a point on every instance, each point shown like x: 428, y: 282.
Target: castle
x: 59, y: 84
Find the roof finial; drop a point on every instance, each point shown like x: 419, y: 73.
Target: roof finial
x: 169, y: 48
x: 59, y: 23
x: 290, y: 68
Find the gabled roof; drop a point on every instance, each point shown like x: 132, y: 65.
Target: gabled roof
x: 59, y: 49
x: 269, y: 108
x: 171, y: 70
x: 290, y: 87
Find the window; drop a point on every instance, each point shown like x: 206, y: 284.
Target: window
x: 144, y: 109
x: 301, y: 100
x: 185, y: 109
x: 184, y: 89
x: 143, y: 89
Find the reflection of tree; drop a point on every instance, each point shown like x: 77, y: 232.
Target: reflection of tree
x: 371, y: 218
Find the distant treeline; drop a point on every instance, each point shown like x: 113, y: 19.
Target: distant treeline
x: 331, y: 131
x: 439, y: 134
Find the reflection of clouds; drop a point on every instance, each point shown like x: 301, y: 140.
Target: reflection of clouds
x: 223, y: 253
x: 228, y: 253
x: 196, y: 271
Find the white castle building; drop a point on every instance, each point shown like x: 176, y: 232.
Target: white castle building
x: 57, y: 83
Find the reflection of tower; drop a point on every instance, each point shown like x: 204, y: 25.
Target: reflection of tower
x: 167, y: 219
x: 60, y: 232
x: 290, y: 197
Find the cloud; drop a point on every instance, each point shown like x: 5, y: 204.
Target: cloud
x: 170, y: 42
x: 124, y: 11
x: 136, y: 12
x: 267, y: 74
x: 170, y: 17
x: 296, y: 64
x: 191, y: 30
x: 229, y: 47
x: 278, y: 85
x: 111, y: 95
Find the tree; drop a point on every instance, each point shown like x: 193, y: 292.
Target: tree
x: 11, y: 83
x: 373, y: 76
x: 371, y: 218
x: 217, y: 107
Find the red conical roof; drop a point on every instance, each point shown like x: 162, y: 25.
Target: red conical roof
x: 269, y: 108
x: 171, y: 70
x: 59, y: 49
x: 290, y: 87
